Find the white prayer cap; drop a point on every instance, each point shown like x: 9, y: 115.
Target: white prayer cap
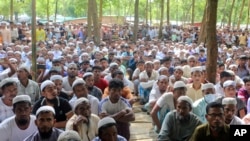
x: 207, y: 86
x: 69, y: 135
x: 6, y: 81
x: 105, y: 121
x: 77, y: 82
x: 13, y: 60
x: 229, y: 83
x: 161, y: 77
x: 156, y: 61
x: 21, y: 98
x: 162, y: 69
x: 46, y: 83
x: 195, y: 69
x: 149, y: 62
x: 179, y: 84
x: 79, y: 101
x: 113, y: 64
x: 191, y: 57
x: 178, y: 68
x: 24, y: 67
x: 232, y: 66
x: 185, y: 98
x: 56, y: 77
x: 86, y: 74
x: 229, y: 100
x: 45, y: 109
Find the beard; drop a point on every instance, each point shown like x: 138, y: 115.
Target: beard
x: 46, y: 134
x: 22, y: 122
x: 183, y: 119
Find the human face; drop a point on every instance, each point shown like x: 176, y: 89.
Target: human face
x: 83, y: 109
x: 229, y: 112
x: 80, y: 90
x: 183, y: 108
x: 115, y: 94
x: 149, y: 68
x: 9, y: 93
x: 247, y: 86
x: 215, y: 117
x: 109, y: 134
x: 191, y: 62
x: 22, y: 111
x: 22, y: 74
x: 50, y: 92
x: 196, y: 77
x: 230, y: 91
x: 97, y: 74
x: 162, y: 84
x: 89, y: 81
x: 72, y: 71
x: 45, y: 122
x: 179, y: 92
x: 58, y: 84
x: 178, y: 74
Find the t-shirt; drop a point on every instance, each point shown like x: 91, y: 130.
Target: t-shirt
x: 5, y: 111
x: 36, y: 136
x: 9, y: 131
x: 101, y: 84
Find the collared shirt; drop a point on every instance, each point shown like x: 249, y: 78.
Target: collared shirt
x: 32, y: 90
x: 174, y: 130
x: 36, y: 136
x: 5, y: 111
x: 199, y: 109
x: 193, y: 93
x: 236, y: 121
x: 203, y: 133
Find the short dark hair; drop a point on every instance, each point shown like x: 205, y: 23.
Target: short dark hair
x: 115, y: 83
x: 214, y: 105
x: 96, y: 68
x: 116, y: 73
x: 166, y: 59
x: 103, y: 59
x: 225, y: 74
x: 246, y: 79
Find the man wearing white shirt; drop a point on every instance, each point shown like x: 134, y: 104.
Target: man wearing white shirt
x: 224, y: 76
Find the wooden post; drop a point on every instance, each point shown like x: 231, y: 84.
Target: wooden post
x: 11, y: 10
x: 33, y: 37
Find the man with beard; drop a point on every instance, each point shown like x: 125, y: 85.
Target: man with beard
x: 22, y: 124
x: 88, y: 77
x: 51, y: 98
x: 179, y: 124
x: 83, y: 121
x: 216, y: 128
x: 45, y: 120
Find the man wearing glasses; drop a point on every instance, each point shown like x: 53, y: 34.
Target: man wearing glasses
x: 215, y: 128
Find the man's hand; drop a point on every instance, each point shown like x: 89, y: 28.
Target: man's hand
x: 80, y: 119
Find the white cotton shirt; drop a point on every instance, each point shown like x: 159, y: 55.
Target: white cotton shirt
x: 154, y: 94
x: 92, y: 100
x: 166, y: 100
x: 9, y: 131
x: 5, y: 111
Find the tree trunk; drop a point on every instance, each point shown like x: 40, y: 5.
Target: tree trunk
x: 212, y: 49
x: 136, y: 20
x: 168, y: 3
x: 95, y: 23
x: 47, y: 10
x: 248, y: 12
x: 146, y: 12
x: 11, y: 10
x: 224, y: 14
x: 150, y: 12
x: 161, y: 20
x: 56, y: 9
x: 89, y: 20
x: 100, y: 11
x: 202, y: 34
x: 193, y: 6
x: 230, y: 14
x: 240, y: 16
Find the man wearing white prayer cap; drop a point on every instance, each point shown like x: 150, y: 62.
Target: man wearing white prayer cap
x: 167, y: 103
x: 50, y: 97
x: 83, y: 121
x: 22, y: 124
x: 45, y: 120
x: 229, y: 88
x: 229, y: 104
x: 58, y: 80
x: 182, y: 119
x: 199, y: 106
x: 177, y: 76
x: 107, y: 130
